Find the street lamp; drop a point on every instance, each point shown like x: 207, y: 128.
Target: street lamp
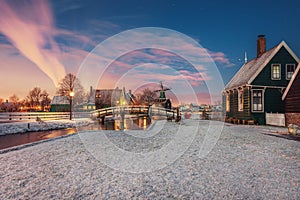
x: 71, y: 94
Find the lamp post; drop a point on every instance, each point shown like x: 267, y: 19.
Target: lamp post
x: 71, y: 95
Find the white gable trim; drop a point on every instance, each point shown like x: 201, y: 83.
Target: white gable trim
x: 233, y: 78
x: 282, y: 44
x: 290, y: 51
x: 291, y: 82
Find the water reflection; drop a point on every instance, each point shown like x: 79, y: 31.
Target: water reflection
x: 7, y: 141
x: 130, y: 123
x: 138, y: 123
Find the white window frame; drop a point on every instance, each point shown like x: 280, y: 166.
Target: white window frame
x: 240, y: 103
x: 286, y: 72
x: 262, y: 101
x: 272, y: 77
x: 227, y: 102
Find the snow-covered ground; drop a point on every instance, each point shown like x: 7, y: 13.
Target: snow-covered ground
x: 21, y: 127
x: 242, y: 163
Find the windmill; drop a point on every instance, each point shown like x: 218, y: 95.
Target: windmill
x: 162, y: 95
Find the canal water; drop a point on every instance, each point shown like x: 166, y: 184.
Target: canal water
x: 7, y: 141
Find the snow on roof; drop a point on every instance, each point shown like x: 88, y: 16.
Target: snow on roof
x: 60, y: 100
x: 250, y: 70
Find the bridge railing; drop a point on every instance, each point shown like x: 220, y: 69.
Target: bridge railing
x: 117, y: 110
x: 133, y: 110
x: 157, y: 111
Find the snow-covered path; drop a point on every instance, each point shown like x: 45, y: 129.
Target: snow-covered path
x: 244, y: 164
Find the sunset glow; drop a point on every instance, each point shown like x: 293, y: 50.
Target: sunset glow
x: 41, y: 41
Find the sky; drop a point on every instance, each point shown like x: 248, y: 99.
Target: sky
x: 194, y: 47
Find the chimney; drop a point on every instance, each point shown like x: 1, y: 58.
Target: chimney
x: 261, y: 45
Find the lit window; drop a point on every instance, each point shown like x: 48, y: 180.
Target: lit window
x: 276, y: 72
x: 227, y: 102
x: 257, y: 101
x: 241, y: 100
x: 290, y: 69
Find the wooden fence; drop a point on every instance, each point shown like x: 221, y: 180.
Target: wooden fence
x: 25, y: 116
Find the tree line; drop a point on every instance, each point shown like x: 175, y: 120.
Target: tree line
x: 38, y: 99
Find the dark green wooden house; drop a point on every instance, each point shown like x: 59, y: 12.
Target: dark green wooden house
x: 60, y: 104
x: 257, y: 88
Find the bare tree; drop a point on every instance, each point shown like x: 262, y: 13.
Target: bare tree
x: 45, y: 99
x: 25, y: 103
x: 1, y: 104
x: 147, y: 97
x: 70, y: 83
x: 34, y: 98
x: 104, y: 100
x: 14, y: 99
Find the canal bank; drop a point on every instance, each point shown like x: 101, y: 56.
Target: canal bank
x: 33, y: 126
x: 35, y: 132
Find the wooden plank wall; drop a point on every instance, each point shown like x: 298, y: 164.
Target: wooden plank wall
x: 292, y: 100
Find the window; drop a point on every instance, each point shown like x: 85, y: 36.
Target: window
x: 227, y: 102
x: 241, y: 100
x: 290, y: 69
x: 276, y: 72
x: 257, y: 101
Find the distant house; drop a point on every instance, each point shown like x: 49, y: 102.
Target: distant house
x: 107, y: 97
x: 257, y: 88
x: 88, y: 105
x: 194, y: 107
x: 204, y: 107
x: 85, y: 107
x: 113, y: 97
x: 291, y: 98
x: 60, y: 104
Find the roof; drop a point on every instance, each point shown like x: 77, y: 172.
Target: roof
x: 291, y: 82
x: 250, y: 70
x: 60, y: 100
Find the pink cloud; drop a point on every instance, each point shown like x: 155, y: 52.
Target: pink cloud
x: 19, y: 75
x: 220, y: 57
x: 166, y: 47
x: 30, y: 29
x: 163, y: 53
x: 137, y: 54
